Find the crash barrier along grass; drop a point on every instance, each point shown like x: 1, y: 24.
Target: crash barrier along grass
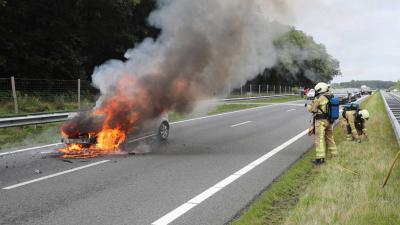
x: 23, y: 95
x: 345, y: 190
x: 48, y: 133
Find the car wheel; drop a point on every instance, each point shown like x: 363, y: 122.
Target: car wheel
x: 163, y: 131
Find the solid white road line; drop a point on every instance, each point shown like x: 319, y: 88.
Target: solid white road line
x: 29, y: 149
x: 291, y: 110
x: 239, y: 124
x: 141, y: 138
x: 174, y: 214
x: 182, y: 209
x: 54, y: 175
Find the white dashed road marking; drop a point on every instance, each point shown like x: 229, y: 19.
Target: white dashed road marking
x: 240, y: 124
x: 54, y: 175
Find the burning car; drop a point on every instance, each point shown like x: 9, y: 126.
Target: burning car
x: 108, y: 141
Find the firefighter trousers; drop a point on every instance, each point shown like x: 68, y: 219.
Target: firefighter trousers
x: 324, y: 141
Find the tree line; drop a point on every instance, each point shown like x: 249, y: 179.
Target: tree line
x: 374, y: 84
x: 66, y: 39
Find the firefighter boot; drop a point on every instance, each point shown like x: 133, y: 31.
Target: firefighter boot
x: 319, y: 161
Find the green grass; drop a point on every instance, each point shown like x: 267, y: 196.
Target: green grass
x: 38, y: 104
x: 28, y: 135
x: 232, y: 107
x: 283, y: 194
x: 274, y: 100
x: 332, y: 193
x: 239, y: 105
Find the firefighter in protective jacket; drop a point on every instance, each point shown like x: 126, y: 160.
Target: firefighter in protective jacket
x: 356, y: 124
x: 323, y: 128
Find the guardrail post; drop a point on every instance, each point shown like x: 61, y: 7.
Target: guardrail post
x: 251, y: 91
x: 14, y: 92
x: 241, y: 90
x: 79, y: 93
x: 280, y: 89
x: 285, y: 90
x: 259, y: 89
x: 267, y: 89
x: 274, y: 90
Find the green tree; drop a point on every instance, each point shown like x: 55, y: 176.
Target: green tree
x: 374, y: 84
x: 66, y: 39
x: 397, y: 86
x: 301, y: 61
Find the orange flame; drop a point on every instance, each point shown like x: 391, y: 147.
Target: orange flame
x: 113, y: 131
x: 108, y: 142
x: 130, y: 104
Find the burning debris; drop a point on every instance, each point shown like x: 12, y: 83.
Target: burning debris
x: 204, y: 48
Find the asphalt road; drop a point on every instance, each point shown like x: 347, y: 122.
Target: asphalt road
x: 159, y: 187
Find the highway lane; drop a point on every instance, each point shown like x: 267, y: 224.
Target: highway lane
x: 143, y: 188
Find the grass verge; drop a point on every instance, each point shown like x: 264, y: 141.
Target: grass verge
x: 28, y: 135
x: 333, y: 193
x: 274, y: 100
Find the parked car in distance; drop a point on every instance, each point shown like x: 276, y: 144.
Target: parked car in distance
x: 365, y: 90
x: 342, y: 94
x: 352, y: 96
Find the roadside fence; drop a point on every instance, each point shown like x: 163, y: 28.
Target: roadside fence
x: 20, y: 96
x: 261, y: 90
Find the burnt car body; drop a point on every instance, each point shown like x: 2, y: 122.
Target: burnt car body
x: 155, y: 129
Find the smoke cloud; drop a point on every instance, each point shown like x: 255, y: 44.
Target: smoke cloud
x: 205, y: 47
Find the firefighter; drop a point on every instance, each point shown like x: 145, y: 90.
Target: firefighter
x: 356, y: 124
x: 323, y: 128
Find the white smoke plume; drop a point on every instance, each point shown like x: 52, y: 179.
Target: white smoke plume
x: 211, y: 43
x: 205, y: 47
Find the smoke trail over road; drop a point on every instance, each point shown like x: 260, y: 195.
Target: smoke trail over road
x: 204, y: 47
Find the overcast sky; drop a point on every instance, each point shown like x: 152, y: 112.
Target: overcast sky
x: 364, y: 35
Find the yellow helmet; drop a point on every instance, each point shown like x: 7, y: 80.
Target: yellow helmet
x: 322, y: 87
x: 364, y: 114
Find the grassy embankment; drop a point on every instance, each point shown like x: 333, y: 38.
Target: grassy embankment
x: 346, y: 190
x: 227, y: 107
x: 39, y: 104
x: 45, y: 133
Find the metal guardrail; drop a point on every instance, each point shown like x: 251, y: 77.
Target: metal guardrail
x: 253, y: 98
x: 34, y: 119
x: 392, y: 104
x: 63, y: 116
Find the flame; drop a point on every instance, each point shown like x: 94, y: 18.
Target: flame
x: 108, y: 142
x: 118, y: 115
x: 107, y: 125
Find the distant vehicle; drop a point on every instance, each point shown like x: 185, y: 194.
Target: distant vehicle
x: 387, y: 90
x: 311, y: 94
x: 352, y: 96
x: 343, y: 95
x: 357, y: 92
x: 365, y: 90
